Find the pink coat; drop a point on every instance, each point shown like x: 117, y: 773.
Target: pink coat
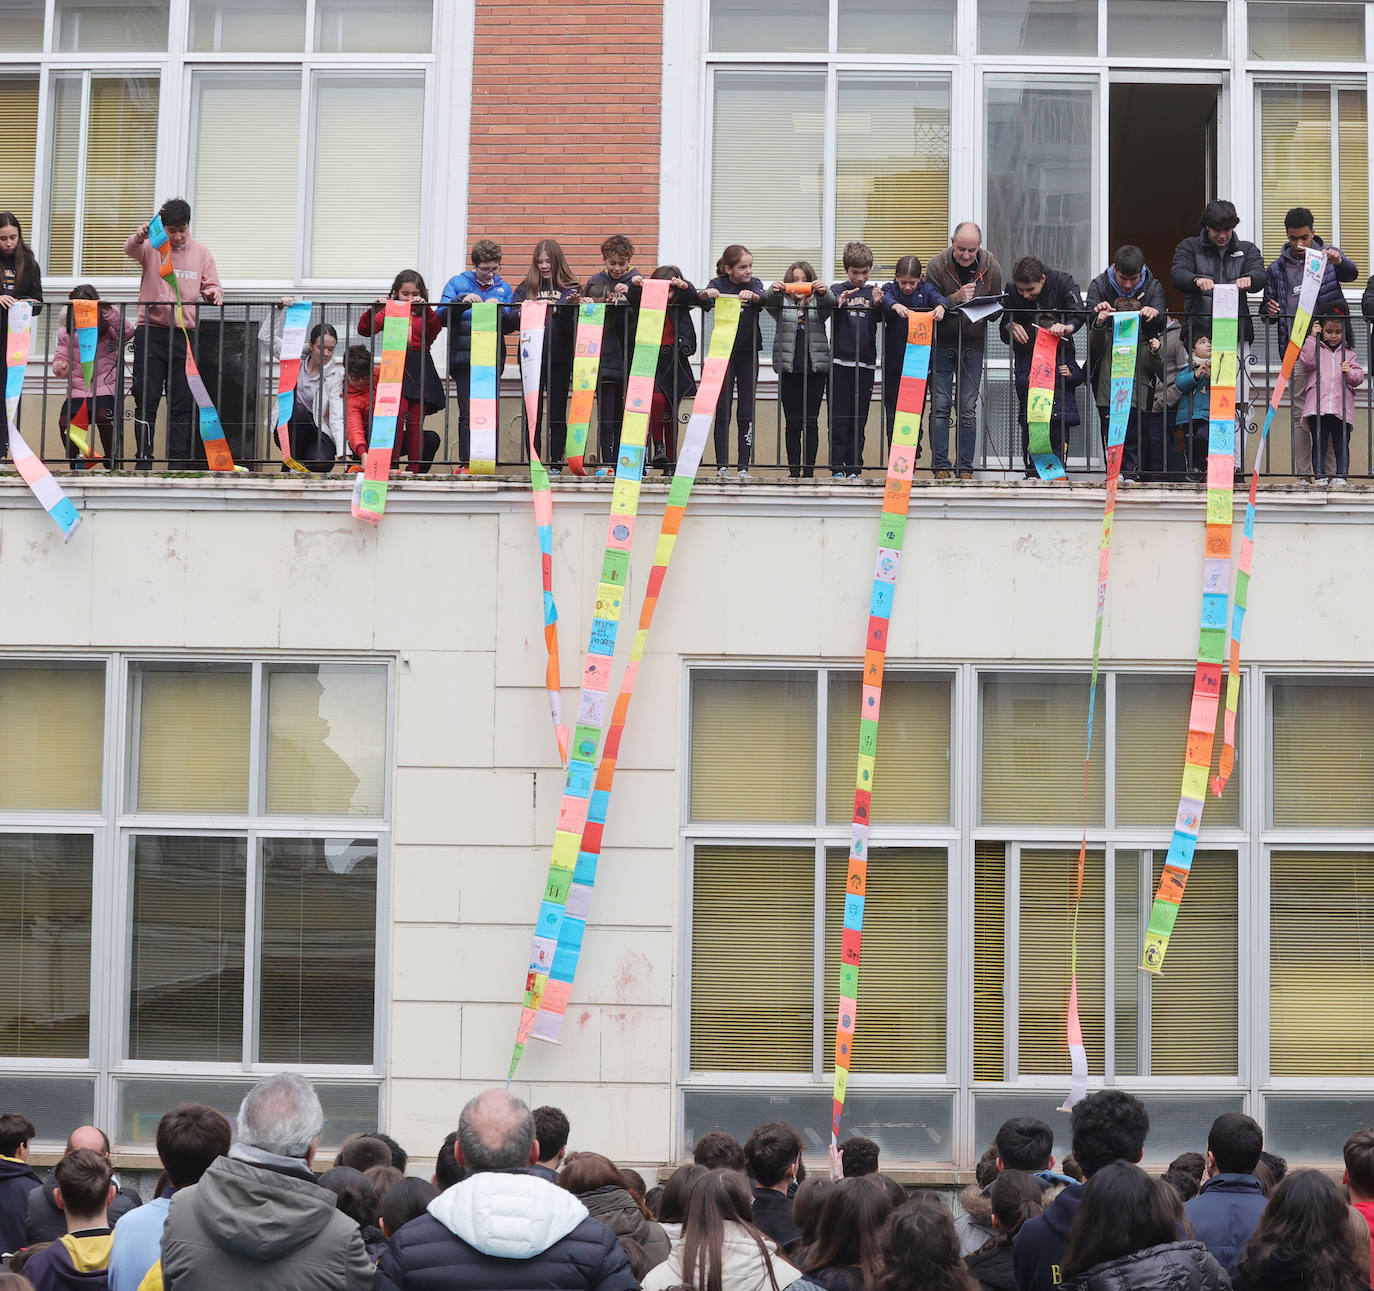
x: 66, y: 360
x: 1329, y: 390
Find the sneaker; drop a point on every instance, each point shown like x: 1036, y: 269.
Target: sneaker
x: 722, y: 473
x: 1338, y: 482
x: 942, y: 475
x: 965, y: 475
x: 602, y: 473
x: 854, y: 475
x: 555, y: 472
x: 838, y: 475
x: 744, y: 474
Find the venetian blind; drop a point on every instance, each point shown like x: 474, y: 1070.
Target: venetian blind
x: 753, y: 950
x: 1353, y: 143
x: 121, y: 160
x: 62, y: 175
x: 193, y: 740
x: 19, y: 111
x: 1295, y: 154
x: 52, y: 733
x: 989, y: 959
x: 1323, y: 753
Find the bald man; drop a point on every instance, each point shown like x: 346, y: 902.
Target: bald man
x: 45, y: 1222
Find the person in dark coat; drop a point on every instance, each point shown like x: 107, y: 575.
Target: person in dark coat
x: 773, y: 1153
x: 674, y: 380
x: 1014, y: 1198
x: 1228, y: 1208
x: 1128, y: 277
x: 503, y: 1226
x: 1214, y: 256
x: 45, y: 1221
x: 594, y: 1180
x: 17, y: 1179
x: 1284, y: 276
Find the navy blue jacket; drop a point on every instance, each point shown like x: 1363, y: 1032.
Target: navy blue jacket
x: 1037, y: 1253
x: 894, y: 341
x: 749, y: 338
x: 17, y: 1180
x: 854, y: 332
x: 1284, y: 277
x: 1224, y: 1215
x: 1059, y: 296
x: 621, y: 321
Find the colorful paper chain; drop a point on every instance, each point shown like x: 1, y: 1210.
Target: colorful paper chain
x: 1125, y: 344
x: 482, y: 417
x: 1040, y: 404
x: 294, y: 328
x: 369, y: 488
x: 27, y: 463
x: 86, y: 321
x: 533, y: 321
x: 901, y: 465
x: 591, y: 328
x: 217, y: 454
x: 1313, y: 270
x: 1216, y: 583
x: 563, y: 912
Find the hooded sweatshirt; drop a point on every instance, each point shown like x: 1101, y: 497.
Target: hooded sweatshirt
x: 48, y: 1224
x: 194, y: 268
x: 743, y: 1266
x: 1037, y: 1254
x: 77, y: 1260
x: 17, y: 1180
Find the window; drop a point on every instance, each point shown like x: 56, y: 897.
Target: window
x: 1323, y: 768
x: 52, y: 717
x: 1166, y: 28
x: 22, y: 26
x: 896, y: 26
x: 1054, y: 27
x: 363, y: 27
x: 1327, y: 32
x: 750, y: 26
x: 110, y: 26
x: 244, y: 26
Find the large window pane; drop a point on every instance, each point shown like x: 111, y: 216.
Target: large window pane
x: 326, y: 731
x: 365, y: 27
x: 1054, y: 27
x: 1042, y: 179
x: 45, y: 945
x: 1323, y: 753
x: 244, y: 158
x: 989, y: 961
x: 1295, y: 155
x: 1352, y: 140
x: 766, y: 162
x: 902, y: 978
x: 19, y: 111
x: 386, y: 139
x: 767, y: 26
x: 251, y: 26
x: 752, y: 1007
x: 1314, y: 1127
x: 21, y: 28
x: 912, y: 778
x: 1321, y: 964
x: 891, y: 169
x: 52, y: 736
x: 1166, y: 28
x: 1034, y: 732
x: 1282, y: 32
x: 186, y: 956
x: 319, y: 950
x: 754, y: 746
x: 53, y: 1103
x: 193, y: 738
x: 110, y: 25
x: 896, y: 26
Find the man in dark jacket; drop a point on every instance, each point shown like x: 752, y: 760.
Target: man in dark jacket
x: 17, y: 1179
x: 773, y: 1153
x: 1284, y: 276
x: 503, y: 1226
x: 1216, y: 255
x: 1228, y: 1208
x: 45, y: 1222
x: 1128, y: 277
x: 1107, y: 1126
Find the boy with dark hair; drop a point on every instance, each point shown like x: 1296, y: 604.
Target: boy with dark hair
x: 551, y: 1130
x: 1359, y: 1176
x: 447, y: 1171
x: 1142, y: 451
x: 1025, y: 1143
x: 80, y: 1258
x: 400, y: 1158
x: 853, y: 360
x: 17, y: 1179
x: 613, y: 284
x: 717, y: 1150
x: 361, y: 1152
x: 858, y: 1156
x: 1228, y: 1208
x: 773, y: 1154
x: 160, y: 342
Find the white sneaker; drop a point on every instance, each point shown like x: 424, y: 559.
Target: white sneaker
x: 1338, y: 482
x: 744, y: 475
x: 722, y: 472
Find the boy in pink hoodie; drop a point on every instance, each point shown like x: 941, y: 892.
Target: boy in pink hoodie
x: 160, y: 345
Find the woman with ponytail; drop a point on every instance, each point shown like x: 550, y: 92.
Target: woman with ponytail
x: 1015, y: 1197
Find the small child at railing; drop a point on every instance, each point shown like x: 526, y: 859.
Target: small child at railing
x: 94, y: 403
x: 1328, y: 409
x: 421, y: 391
x: 905, y: 294
x: 801, y: 358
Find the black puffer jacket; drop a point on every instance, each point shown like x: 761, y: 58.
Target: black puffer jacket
x: 615, y: 1208
x: 1174, y: 1266
x: 1200, y: 257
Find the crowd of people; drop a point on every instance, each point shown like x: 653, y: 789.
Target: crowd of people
x: 510, y: 1207
x: 826, y: 349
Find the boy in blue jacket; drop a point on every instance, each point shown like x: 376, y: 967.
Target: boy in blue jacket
x: 1228, y: 1209
x: 481, y: 283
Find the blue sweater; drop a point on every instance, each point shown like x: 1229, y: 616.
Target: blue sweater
x: 854, y: 331
x: 459, y: 320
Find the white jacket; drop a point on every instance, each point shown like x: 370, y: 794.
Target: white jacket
x: 322, y: 393
x: 743, y: 1267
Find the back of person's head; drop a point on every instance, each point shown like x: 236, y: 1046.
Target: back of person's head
x: 1123, y: 1210
x: 1303, y: 1237
x: 485, y: 251
x: 13, y: 1281
x: 400, y: 1158
x: 1069, y: 1165
x: 1024, y: 1143
x: 858, y: 1156
x: 1190, y: 1163
x: 91, y: 1137
x: 717, y: 1150
x: 632, y: 1181
x: 282, y: 1115
x: 404, y: 1201
x: 1015, y: 1197
x: 584, y: 1172
x: 1183, y: 1183
x: 1359, y: 1164
x: 672, y: 1201
x: 361, y: 1152
x: 358, y: 363
x: 551, y: 1128
x: 857, y: 255
x: 1126, y: 305
x: 1235, y: 1141
x: 83, y: 1182
x: 356, y: 1196
x: 189, y: 1138
x: 1220, y: 214
x: 15, y: 1130
x: 1107, y: 1126
x: 1358, y: 1228
x: 176, y: 213
x: 1128, y: 261
x: 771, y: 1150
x: 383, y: 1179
x: 1298, y: 218
x: 985, y: 1170
x: 1270, y: 1170
x: 23, y: 1255
x: 495, y: 1132
x: 721, y: 1197
x: 1028, y: 270
x: 807, y: 1203
x: 447, y: 1171
x: 920, y: 1250
x: 850, y: 1227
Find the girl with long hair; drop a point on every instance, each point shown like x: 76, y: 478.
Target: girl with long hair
x: 551, y: 280
x: 95, y: 400
x: 920, y: 1250
x: 19, y: 280
x: 1013, y: 1197
x: 847, y: 1253
x: 1303, y: 1240
x: 671, y: 1212
x: 594, y: 1180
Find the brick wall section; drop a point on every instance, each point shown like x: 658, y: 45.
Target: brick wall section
x: 565, y: 129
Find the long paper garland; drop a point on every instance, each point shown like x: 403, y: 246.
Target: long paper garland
x: 1125, y: 344
x: 86, y: 324
x: 294, y: 328
x: 533, y: 322
x: 27, y: 463
x: 901, y: 464
x: 482, y: 414
x: 563, y: 912
x: 1040, y: 404
x: 1313, y: 270
x: 369, y: 488
x: 1216, y: 583
x: 217, y: 454
x: 591, y: 327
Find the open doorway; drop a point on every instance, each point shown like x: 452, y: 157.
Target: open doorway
x: 1162, y: 166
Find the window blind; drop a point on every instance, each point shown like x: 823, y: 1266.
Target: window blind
x: 193, y: 740
x: 21, y: 21
x: 121, y: 159
x: 1321, y: 964
x: 753, y: 959
x: 902, y: 978
x: 62, y: 175
x: 766, y: 167
x: 247, y: 160
x: 989, y: 959
x: 1323, y: 753
x: 891, y: 169
x: 754, y: 746
x: 1353, y: 143
x: 912, y: 778
x: 1033, y: 740
x: 1295, y: 153
x: 52, y: 735
x: 19, y: 111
